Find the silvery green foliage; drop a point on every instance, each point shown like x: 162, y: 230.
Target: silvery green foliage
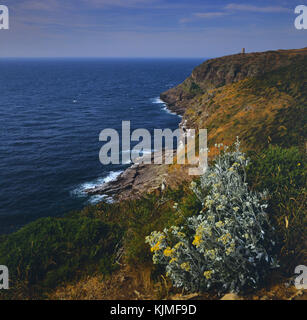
x: 227, y: 246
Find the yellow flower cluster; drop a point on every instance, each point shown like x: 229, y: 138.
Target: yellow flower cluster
x: 209, y: 203
x: 154, y: 238
x: 219, y: 224
x: 208, y: 274
x: 168, y: 251
x: 197, y: 240
x: 225, y: 238
x: 181, y: 234
x: 231, y: 249
x: 185, y: 266
x: 156, y: 247
x: 173, y: 260
x: 211, y: 254
x: 178, y: 245
x: 208, y: 231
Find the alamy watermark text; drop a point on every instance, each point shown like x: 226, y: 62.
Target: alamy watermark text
x: 4, y: 17
x: 301, y: 20
x: 186, y: 141
x: 4, y: 278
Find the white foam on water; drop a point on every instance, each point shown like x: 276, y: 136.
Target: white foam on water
x: 127, y: 162
x: 112, y: 176
x: 80, y: 190
x: 157, y: 101
x: 99, y: 198
x: 137, y: 153
x: 164, y: 106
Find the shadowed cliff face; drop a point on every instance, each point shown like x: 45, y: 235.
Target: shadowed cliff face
x: 260, y: 97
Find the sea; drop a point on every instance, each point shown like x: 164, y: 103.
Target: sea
x: 51, y: 114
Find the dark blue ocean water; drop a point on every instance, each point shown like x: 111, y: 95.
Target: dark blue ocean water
x: 51, y: 114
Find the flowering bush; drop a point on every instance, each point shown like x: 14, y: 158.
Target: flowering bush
x: 228, y: 245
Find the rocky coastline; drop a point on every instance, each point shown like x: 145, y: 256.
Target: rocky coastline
x: 198, y: 100
x: 140, y: 179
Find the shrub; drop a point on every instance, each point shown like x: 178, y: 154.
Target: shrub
x: 227, y: 246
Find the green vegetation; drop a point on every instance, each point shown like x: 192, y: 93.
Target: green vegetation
x: 266, y: 109
x: 228, y: 245
x: 195, y: 89
x: 49, y: 251
x: 191, y: 88
x: 282, y: 171
x: 288, y: 85
x: 52, y: 251
x: 140, y: 217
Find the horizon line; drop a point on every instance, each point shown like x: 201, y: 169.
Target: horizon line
x: 67, y: 57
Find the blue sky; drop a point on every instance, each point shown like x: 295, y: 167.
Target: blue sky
x: 148, y: 28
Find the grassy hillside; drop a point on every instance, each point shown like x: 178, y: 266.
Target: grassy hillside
x: 216, y: 73
x: 270, y: 109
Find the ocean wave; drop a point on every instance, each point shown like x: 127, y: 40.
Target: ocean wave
x: 135, y: 153
x: 99, y: 198
x: 157, y: 100
x: 79, y: 192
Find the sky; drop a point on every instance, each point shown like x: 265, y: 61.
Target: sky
x: 148, y: 28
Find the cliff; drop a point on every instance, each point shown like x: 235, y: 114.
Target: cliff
x: 260, y: 97
x: 216, y: 73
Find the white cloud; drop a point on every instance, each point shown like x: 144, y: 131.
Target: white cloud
x: 206, y: 15
x: 252, y: 8
x: 117, y: 3
x: 231, y: 8
x: 48, y: 5
x: 51, y: 5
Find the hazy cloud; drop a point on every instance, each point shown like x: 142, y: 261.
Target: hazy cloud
x: 118, y: 3
x: 210, y: 14
x: 252, y: 8
x: 232, y: 8
x: 33, y: 5
x: 204, y: 15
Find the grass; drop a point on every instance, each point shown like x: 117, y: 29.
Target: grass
x: 282, y: 171
x: 50, y: 251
